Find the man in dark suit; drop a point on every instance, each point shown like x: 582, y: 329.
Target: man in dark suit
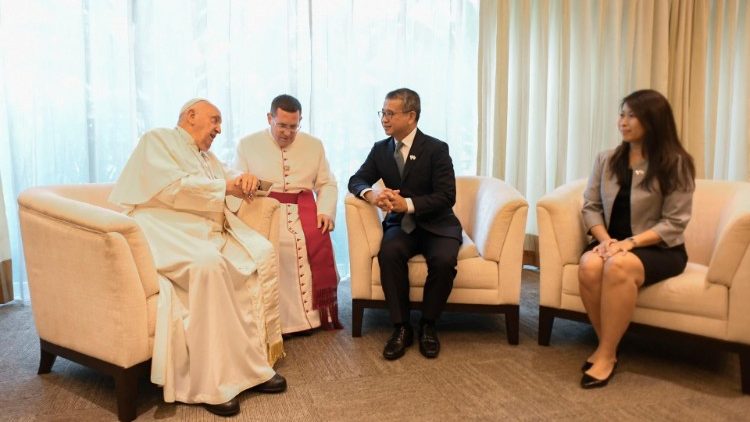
x: 419, y: 193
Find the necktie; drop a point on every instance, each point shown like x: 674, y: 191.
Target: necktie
x: 399, y: 158
x: 407, y: 221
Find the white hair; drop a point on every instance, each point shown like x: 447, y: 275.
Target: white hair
x: 188, y: 105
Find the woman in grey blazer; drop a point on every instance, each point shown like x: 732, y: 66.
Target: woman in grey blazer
x: 636, y: 206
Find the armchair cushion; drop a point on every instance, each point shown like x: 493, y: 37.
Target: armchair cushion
x: 467, y: 250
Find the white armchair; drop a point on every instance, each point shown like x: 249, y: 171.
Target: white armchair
x: 93, y: 283
x: 493, y: 216
x: 708, y: 302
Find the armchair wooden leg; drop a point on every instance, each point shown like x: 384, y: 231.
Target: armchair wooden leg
x: 745, y: 369
x: 511, y: 324
x: 126, y: 390
x: 358, y: 311
x: 126, y: 379
x: 546, y: 319
x: 46, y: 360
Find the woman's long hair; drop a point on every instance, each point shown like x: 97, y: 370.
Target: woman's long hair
x: 668, y: 162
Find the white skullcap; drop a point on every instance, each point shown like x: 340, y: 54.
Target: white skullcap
x: 191, y: 103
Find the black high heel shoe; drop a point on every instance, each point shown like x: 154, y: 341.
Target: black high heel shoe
x: 588, y: 382
x: 587, y: 365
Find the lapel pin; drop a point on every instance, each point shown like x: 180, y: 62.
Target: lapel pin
x: 412, y: 157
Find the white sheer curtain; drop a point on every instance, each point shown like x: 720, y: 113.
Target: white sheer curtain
x: 81, y: 80
x: 552, y: 74
x: 724, y: 141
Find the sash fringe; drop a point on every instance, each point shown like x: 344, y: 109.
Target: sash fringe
x: 275, y: 352
x: 329, y: 317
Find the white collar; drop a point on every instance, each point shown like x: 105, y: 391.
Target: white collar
x: 408, y: 139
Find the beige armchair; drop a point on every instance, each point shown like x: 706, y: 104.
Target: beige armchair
x: 93, y: 284
x: 708, y: 302
x: 493, y: 216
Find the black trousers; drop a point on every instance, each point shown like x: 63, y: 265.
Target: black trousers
x: 441, y: 255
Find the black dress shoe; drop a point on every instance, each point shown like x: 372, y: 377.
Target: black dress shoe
x: 232, y: 407
x: 401, y: 338
x: 303, y: 333
x: 429, y: 345
x: 588, y: 382
x: 277, y: 384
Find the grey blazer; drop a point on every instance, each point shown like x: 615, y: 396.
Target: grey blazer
x: 666, y: 215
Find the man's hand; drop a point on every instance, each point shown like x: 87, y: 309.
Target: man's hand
x: 325, y: 223
x: 396, y: 202
x: 377, y: 199
x: 387, y: 200
x: 243, y: 186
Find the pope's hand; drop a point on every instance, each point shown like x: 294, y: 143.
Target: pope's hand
x: 243, y: 186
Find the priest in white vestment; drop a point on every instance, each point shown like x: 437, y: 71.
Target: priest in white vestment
x: 296, y: 165
x: 218, y: 327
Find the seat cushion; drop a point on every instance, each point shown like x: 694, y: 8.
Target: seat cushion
x: 687, y: 293
x: 467, y: 250
x: 473, y: 271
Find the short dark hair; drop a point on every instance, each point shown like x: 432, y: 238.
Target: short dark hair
x: 409, y: 97
x: 287, y: 103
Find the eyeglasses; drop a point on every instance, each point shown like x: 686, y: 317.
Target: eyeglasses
x: 389, y: 114
x: 286, y: 128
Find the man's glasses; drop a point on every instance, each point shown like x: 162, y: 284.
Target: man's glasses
x: 388, y: 114
x: 286, y: 128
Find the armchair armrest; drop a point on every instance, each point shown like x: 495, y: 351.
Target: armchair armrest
x: 364, y: 232
x: 561, y: 237
x: 262, y: 215
x: 730, y: 266
x: 732, y: 241
x: 499, y: 220
x: 363, y: 222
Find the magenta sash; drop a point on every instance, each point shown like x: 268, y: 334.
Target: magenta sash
x: 319, y: 255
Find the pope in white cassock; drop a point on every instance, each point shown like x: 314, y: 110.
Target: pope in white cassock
x: 301, y: 179
x: 218, y: 330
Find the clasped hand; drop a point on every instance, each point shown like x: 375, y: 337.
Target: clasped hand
x: 389, y: 200
x: 243, y: 186
x: 612, y: 247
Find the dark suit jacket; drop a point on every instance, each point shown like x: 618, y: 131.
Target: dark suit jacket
x: 428, y: 180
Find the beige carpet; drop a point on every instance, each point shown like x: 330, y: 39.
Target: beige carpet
x: 478, y: 376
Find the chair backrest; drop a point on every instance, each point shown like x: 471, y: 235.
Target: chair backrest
x: 466, y: 193
x: 91, y: 193
x: 715, y: 203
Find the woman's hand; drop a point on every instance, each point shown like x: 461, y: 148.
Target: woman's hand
x: 612, y: 247
x: 602, y: 249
